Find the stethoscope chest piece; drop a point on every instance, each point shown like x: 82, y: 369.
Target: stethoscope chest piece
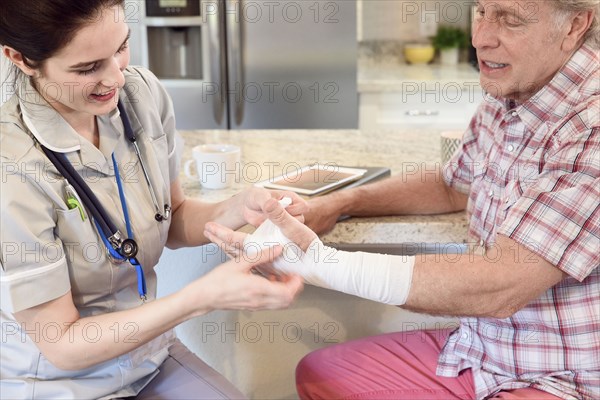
x: 129, y: 248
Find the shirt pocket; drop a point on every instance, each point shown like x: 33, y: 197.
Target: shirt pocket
x: 156, y: 160
x: 73, y: 230
x: 512, y: 193
x: 89, y: 268
x: 160, y: 146
x: 480, y: 186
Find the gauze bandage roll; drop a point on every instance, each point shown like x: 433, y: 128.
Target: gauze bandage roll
x: 378, y: 277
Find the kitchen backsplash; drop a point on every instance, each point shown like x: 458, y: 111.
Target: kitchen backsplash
x: 409, y: 20
x: 380, y: 51
x: 386, y: 25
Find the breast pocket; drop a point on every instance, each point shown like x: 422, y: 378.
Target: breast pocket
x: 160, y: 148
x: 480, y: 186
x: 89, y: 269
x: 156, y: 160
x: 512, y: 192
x: 74, y: 231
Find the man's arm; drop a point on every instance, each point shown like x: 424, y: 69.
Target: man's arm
x: 419, y: 192
x: 496, y: 285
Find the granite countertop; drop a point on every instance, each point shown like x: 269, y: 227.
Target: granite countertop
x: 269, y: 152
x: 398, y: 77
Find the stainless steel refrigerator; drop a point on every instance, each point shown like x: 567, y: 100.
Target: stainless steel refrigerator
x: 241, y: 64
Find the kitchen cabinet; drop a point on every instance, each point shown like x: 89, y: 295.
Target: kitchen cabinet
x: 432, y: 96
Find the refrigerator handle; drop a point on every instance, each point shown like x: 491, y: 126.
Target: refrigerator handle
x: 234, y: 56
x: 218, y: 65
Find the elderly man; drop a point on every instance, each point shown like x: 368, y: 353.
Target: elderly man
x: 528, y: 174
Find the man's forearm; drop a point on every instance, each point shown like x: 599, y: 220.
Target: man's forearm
x: 422, y: 192
x: 496, y: 285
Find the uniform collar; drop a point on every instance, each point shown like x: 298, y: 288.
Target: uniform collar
x: 54, y: 132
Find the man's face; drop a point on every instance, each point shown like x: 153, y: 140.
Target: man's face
x: 519, y: 46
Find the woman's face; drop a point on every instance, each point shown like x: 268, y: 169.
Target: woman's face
x: 83, y: 79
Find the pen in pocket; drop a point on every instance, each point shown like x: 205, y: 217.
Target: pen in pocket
x: 73, y: 200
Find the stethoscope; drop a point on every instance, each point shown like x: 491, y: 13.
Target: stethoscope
x: 119, y: 248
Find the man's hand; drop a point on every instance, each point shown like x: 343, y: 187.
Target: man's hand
x: 323, y: 213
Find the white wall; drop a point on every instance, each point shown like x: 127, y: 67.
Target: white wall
x: 400, y: 19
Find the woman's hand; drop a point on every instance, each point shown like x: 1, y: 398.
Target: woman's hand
x: 253, y: 201
x: 234, y: 285
x: 232, y: 242
x: 228, y: 240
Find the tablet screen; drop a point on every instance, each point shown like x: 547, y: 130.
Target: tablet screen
x: 315, y: 179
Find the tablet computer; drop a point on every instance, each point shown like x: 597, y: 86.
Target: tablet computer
x: 314, y: 179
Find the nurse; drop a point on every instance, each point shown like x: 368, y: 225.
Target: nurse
x: 76, y: 321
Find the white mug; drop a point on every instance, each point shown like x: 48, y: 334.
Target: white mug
x: 217, y: 165
x: 450, y: 142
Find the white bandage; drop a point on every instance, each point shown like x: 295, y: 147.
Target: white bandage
x: 379, y: 277
x: 266, y: 235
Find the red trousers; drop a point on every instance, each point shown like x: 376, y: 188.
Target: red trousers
x: 394, y: 366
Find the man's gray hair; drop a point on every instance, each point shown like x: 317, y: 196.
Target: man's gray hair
x: 566, y: 8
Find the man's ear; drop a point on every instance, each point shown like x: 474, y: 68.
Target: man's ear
x: 17, y: 58
x: 580, y: 23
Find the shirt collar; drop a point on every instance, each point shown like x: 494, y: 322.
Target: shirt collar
x: 572, y: 83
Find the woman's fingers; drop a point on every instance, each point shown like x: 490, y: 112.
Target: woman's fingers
x: 255, y: 199
x: 231, y: 242
x: 268, y: 293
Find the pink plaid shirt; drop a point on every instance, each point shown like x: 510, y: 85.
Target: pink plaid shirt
x: 532, y: 172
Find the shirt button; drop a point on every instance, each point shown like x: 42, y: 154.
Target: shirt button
x: 506, y: 200
x: 510, y: 147
x: 481, y: 242
x: 491, y: 193
x: 514, y: 113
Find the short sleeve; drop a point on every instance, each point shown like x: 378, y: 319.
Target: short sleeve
x: 558, y: 216
x: 33, y: 264
x: 165, y: 108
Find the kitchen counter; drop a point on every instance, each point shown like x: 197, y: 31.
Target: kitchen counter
x: 267, y: 153
x: 400, y: 77
x: 274, y: 341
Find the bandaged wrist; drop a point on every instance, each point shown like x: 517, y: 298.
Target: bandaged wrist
x: 379, y: 277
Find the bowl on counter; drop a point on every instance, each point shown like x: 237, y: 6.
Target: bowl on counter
x: 418, y: 53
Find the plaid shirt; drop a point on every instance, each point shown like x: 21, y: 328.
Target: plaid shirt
x: 532, y: 173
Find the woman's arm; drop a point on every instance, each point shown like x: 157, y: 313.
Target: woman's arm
x: 190, y: 215
x: 229, y: 286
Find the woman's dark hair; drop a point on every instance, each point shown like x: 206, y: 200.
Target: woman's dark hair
x: 38, y: 29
